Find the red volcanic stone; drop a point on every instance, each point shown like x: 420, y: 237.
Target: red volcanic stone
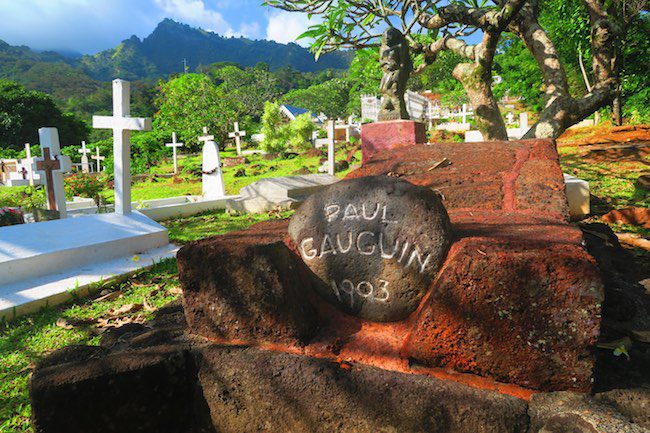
x: 518, y: 300
x: 507, y: 175
x: 636, y: 216
x: 379, y: 136
x: 246, y: 286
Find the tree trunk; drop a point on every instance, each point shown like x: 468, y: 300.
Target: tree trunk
x: 477, y: 82
x: 617, y: 111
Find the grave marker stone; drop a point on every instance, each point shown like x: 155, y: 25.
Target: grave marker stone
x: 174, y: 145
x: 523, y: 121
x: 237, y: 134
x: 98, y: 158
x: 510, y: 118
x: 122, y: 124
x: 85, y: 165
x: 52, y: 165
x: 30, y: 169
x: 331, y: 130
x: 212, y: 174
x: 376, y: 243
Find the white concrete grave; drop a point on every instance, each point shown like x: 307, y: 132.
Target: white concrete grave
x: 122, y: 124
x: 237, y: 134
x: 85, y: 165
x: 97, y: 157
x: 213, y: 187
x: 40, y: 263
x: 280, y: 192
x: 174, y: 145
x: 330, y: 147
x: 51, y: 166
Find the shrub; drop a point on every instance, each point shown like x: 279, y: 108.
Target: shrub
x: 281, y: 136
x: 10, y: 217
x: 85, y: 185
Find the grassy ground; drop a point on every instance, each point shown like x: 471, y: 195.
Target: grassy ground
x: 28, y: 339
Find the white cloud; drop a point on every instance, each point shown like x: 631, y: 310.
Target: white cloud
x: 285, y: 27
x: 196, y: 13
x: 247, y: 30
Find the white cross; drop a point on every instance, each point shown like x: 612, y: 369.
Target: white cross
x: 331, y: 128
x: 30, y: 169
x: 510, y: 117
x: 205, y: 137
x: 85, y: 167
x: 122, y: 124
x: 174, y: 145
x: 52, y: 165
x: 237, y: 136
x: 99, y: 159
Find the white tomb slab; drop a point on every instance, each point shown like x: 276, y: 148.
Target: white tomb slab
x: 280, y: 192
x: 213, y: 187
x: 122, y: 124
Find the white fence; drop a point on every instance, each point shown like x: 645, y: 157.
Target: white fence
x: 419, y: 107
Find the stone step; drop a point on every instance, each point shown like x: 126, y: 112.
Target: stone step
x: 29, y: 251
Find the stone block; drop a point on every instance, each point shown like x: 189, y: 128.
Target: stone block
x: 88, y: 389
x: 517, y: 300
x: 577, y: 194
x: 248, y: 389
x: 379, y: 136
x: 247, y: 286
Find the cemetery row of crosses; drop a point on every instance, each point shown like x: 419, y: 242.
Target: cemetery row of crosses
x: 397, y: 283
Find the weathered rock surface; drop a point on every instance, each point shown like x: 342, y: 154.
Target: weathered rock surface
x: 567, y: 412
x: 237, y: 160
x: 376, y: 243
x: 246, y: 286
x: 509, y: 176
x: 514, y: 301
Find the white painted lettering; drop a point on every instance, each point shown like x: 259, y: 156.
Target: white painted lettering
x: 331, y: 211
x: 327, y: 247
x: 365, y: 252
x: 351, y: 213
x: 308, y: 254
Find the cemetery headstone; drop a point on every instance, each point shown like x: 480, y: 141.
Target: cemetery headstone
x: 376, y: 243
x: 174, y: 145
x: 331, y: 130
x: 85, y: 165
x: 30, y: 169
x: 523, y: 121
x: 122, y: 124
x: 98, y: 158
x: 212, y: 174
x: 52, y: 165
x: 237, y: 134
x: 510, y: 118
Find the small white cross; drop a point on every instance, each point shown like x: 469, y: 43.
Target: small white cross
x: 237, y: 136
x: 174, y: 145
x: 205, y: 137
x: 99, y: 158
x: 83, y: 149
x: 122, y: 124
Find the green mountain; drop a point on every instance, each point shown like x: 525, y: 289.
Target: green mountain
x: 162, y: 53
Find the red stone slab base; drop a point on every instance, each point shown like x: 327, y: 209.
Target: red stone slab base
x: 517, y: 300
x: 379, y: 136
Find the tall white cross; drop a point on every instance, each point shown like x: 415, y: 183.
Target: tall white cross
x: 331, y: 130
x: 30, y: 169
x: 237, y: 134
x: 212, y: 176
x: 85, y: 166
x: 99, y: 158
x: 122, y: 124
x: 174, y: 145
x: 52, y: 165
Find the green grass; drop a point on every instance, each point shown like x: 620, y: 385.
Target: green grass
x: 28, y: 339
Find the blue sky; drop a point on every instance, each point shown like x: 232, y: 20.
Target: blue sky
x: 89, y: 26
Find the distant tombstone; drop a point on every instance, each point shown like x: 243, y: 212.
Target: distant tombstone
x: 331, y: 130
x: 122, y: 124
x: 523, y: 121
x: 510, y: 118
x: 30, y: 169
x: 237, y: 134
x: 85, y: 165
x: 52, y: 165
x: 212, y: 175
x: 174, y: 145
x: 376, y: 244
x: 98, y: 158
